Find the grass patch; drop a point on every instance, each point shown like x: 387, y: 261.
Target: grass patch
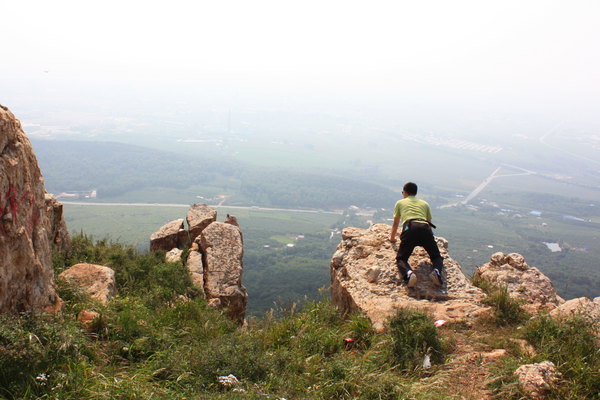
x: 572, y: 345
x: 506, y: 310
x: 413, y: 337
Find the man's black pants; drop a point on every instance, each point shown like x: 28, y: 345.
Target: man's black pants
x: 417, y: 233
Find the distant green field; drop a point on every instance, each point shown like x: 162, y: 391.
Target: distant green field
x: 275, y: 273
x: 134, y: 225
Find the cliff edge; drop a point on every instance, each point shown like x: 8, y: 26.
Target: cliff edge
x: 27, y: 232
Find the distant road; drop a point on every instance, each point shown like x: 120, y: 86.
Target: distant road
x: 487, y: 181
x: 562, y: 150
x: 86, y: 203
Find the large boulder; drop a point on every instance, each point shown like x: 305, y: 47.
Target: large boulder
x: 168, y: 236
x: 198, y: 217
x: 221, y: 245
x: 26, y: 275
x: 96, y: 280
x: 522, y: 281
x: 364, y: 277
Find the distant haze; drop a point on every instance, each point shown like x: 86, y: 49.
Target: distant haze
x: 519, y: 56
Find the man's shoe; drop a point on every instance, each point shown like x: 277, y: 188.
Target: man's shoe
x: 436, y: 277
x: 411, y: 279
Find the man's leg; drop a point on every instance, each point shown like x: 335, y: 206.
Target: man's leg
x: 430, y: 246
x: 406, y: 248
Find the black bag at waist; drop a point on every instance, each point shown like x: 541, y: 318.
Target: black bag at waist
x: 418, y: 220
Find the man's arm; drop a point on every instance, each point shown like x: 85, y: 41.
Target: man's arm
x: 394, y: 229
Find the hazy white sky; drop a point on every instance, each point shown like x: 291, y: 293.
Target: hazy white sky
x: 521, y: 52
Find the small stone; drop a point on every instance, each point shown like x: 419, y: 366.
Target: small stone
x: 537, y: 379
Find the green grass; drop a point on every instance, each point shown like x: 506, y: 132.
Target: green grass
x: 157, y: 339
x: 282, y: 239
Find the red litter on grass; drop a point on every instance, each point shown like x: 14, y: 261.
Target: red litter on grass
x: 439, y: 322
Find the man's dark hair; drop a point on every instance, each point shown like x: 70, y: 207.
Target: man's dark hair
x: 410, y: 188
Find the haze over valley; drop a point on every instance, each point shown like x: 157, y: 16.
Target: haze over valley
x: 304, y: 121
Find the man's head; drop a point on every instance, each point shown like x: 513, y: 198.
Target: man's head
x: 410, y: 189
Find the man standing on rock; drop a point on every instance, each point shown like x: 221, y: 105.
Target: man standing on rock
x: 415, y: 215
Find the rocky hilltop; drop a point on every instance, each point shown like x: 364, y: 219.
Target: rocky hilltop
x: 364, y: 277
x: 31, y: 223
x: 215, y: 257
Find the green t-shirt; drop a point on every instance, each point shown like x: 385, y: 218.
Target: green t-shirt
x: 412, y: 208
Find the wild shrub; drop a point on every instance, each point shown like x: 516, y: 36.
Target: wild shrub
x: 36, y: 352
x: 413, y: 336
x: 572, y: 345
x: 144, y: 275
x: 506, y: 309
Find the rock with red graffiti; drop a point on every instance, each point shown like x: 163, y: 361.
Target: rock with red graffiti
x: 26, y: 275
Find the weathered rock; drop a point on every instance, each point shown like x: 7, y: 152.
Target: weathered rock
x: 222, y: 247
x: 96, y: 280
x: 87, y: 318
x: 537, y: 379
x: 168, y: 236
x: 580, y: 306
x: 232, y: 219
x: 173, y: 255
x: 196, y: 269
x: 26, y: 275
x: 364, y: 277
x: 198, y: 217
x: 58, y: 233
x: 522, y: 281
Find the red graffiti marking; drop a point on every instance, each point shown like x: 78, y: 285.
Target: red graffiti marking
x: 2, y: 231
x: 13, y: 203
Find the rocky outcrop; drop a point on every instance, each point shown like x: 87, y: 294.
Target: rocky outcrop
x: 57, y: 228
x: 26, y: 275
x: 581, y: 306
x: 536, y: 380
x: 198, y: 217
x: 364, y: 277
x: 168, y: 236
x: 96, y: 280
x: 215, y: 258
x: 221, y: 245
x: 522, y: 281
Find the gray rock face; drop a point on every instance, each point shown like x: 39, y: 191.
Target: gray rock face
x: 222, y: 247
x: 26, y: 275
x: 364, y: 277
x: 168, y: 236
x: 96, y: 280
x: 198, y: 217
x: 522, y: 281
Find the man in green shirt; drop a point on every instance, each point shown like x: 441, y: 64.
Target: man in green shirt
x: 415, y: 215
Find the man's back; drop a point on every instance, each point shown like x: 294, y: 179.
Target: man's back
x: 412, y: 208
